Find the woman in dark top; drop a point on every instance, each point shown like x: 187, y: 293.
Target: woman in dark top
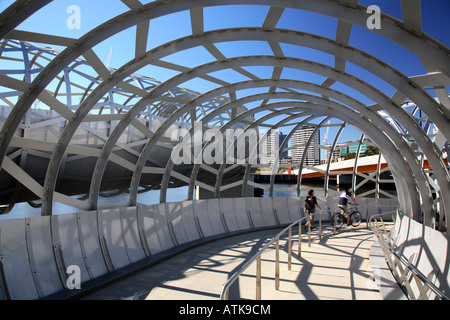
x: 310, y: 207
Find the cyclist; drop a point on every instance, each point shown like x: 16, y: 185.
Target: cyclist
x: 343, y: 200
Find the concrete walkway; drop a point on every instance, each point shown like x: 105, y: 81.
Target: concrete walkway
x: 336, y: 267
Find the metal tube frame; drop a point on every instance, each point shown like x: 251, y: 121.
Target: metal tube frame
x: 407, y: 33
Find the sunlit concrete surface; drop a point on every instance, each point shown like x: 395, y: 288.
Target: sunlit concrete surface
x: 335, y: 267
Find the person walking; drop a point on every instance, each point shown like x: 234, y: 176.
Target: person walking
x: 310, y: 207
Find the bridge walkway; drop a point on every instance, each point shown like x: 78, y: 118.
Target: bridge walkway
x: 335, y: 267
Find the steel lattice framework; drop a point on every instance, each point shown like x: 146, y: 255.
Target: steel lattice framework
x: 130, y: 116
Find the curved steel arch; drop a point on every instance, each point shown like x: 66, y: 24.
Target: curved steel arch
x: 296, y: 84
x: 426, y: 48
x: 196, y: 168
x: 356, y: 105
x: 333, y: 146
x: 256, y: 33
x: 355, y: 123
x: 373, y: 116
x: 152, y: 10
x: 399, y: 158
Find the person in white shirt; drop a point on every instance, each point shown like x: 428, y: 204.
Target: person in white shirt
x: 343, y: 200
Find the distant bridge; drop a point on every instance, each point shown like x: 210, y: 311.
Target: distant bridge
x: 367, y: 164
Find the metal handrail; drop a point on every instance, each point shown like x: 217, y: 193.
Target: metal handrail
x: 224, y: 293
x: 418, y: 276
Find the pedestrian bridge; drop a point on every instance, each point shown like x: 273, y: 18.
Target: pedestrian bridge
x: 335, y: 267
x: 76, y: 126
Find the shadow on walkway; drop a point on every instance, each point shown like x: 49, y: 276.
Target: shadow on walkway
x: 336, y: 267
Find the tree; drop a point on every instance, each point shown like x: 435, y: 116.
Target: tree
x: 349, y: 155
x: 370, y: 151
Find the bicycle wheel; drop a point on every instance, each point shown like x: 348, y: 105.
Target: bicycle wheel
x: 356, y: 218
x: 338, y: 220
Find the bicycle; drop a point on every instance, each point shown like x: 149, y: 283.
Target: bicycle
x: 355, y: 217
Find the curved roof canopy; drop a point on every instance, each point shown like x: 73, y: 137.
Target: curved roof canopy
x: 114, y: 83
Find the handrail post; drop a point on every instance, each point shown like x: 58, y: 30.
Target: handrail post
x: 320, y: 225
x: 333, y: 218
x: 258, y: 278
x: 290, y: 249
x: 277, y: 265
x: 378, y: 229
x: 309, y: 235
x: 299, y: 249
x: 384, y: 226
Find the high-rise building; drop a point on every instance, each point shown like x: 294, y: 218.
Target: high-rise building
x: 271, y: 146
x: 300, y: 138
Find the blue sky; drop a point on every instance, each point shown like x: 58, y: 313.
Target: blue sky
x: 52, y: 20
